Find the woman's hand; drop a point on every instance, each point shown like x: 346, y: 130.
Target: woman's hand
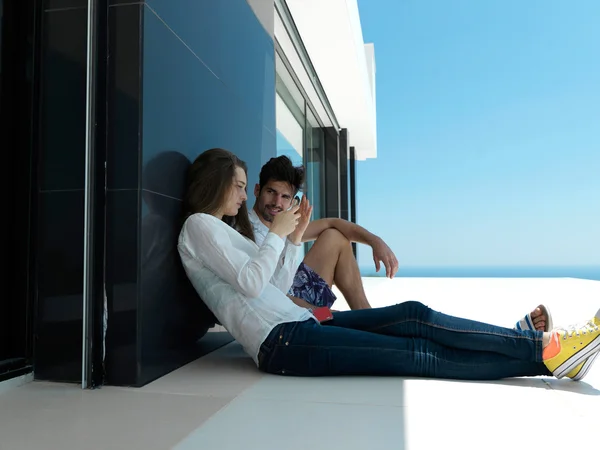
x: 286, y: 222
x: 305, y: 215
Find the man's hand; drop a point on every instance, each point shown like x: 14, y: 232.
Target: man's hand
x: 305, y: 212
x: 383, y: 254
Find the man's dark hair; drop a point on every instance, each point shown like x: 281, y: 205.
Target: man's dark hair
x: 282, y: 169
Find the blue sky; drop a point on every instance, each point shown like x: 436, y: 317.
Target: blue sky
x: 488, y: 118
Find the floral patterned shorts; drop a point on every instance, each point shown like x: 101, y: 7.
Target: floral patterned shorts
x: 310, y: 287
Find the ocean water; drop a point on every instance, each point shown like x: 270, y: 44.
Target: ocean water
x: 584, y: 272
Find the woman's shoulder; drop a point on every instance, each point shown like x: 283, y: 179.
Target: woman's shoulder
x: 199, y: 228
x: 194, y: 222
x: 200, y: 217
x: 207, y: 223
x: 202, y: 221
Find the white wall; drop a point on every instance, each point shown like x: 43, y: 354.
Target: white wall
x: 265, y: 12
x: 332, y: 34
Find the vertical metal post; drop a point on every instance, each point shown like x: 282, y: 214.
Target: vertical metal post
x: 86, y: 366
x: 353, y: 193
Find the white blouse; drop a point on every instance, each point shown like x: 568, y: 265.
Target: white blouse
x: 239, y: 281
x: 287, y: 267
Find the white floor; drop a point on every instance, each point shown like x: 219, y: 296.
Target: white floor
x: 222, y: 402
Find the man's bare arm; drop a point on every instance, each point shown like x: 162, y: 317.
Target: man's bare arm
x: 352, y: 231
x: 355, y: 233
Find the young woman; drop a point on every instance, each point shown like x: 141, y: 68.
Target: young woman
x: 242, y: 285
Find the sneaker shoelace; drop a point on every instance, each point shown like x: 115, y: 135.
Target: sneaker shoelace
x: 579, y: 329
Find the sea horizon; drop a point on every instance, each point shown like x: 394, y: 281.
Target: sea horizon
x: 588, y: 272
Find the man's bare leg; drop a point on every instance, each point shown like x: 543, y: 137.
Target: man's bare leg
x: 332, y: 258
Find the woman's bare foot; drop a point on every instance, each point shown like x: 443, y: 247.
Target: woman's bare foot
x: 539, y: 319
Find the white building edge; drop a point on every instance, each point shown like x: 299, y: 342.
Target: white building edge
x: 330, y: 33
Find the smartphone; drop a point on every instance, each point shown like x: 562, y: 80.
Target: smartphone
x: 295, y: 201
x: 323, y: 314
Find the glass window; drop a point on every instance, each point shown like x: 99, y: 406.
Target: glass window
x: 287, y: 88
x: 289, y: 118
x: 300, y: 136
x: 289, y: 113
x: 290, y: 132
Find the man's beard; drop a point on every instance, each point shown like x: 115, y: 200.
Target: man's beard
x: 268, y: 217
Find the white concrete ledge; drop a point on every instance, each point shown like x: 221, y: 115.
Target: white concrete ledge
x: 332, y: 34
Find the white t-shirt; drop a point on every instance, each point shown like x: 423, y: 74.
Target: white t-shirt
x: 242, y: 283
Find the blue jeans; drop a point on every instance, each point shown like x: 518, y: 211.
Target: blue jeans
x: 408, y: 339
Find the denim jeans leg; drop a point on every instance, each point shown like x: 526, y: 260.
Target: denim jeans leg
x: 413, y: 319
x: 311, y: 349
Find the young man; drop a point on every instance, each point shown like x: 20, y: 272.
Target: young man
x: 330, y: 260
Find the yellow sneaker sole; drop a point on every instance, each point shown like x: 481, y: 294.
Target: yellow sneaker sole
x: 579, y: 372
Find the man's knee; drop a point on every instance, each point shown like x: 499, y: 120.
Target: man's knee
x: 412, y: 308
x: 332, y: 236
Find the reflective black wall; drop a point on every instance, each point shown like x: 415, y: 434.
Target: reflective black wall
x: 60, y: 147
x: 183, y: 76
x: 16, y: 99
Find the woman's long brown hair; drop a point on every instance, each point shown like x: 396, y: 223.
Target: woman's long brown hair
x: 209, y: 180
